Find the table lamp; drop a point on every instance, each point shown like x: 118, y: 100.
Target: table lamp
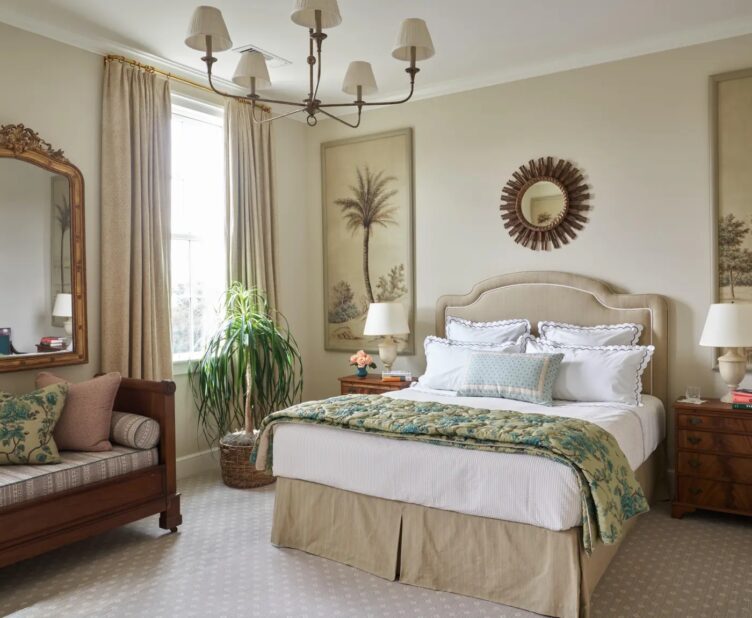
x: 729, y: 325
x: 63, y: 309
x: 385, y: 320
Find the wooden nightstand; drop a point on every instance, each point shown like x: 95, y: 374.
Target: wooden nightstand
x: 370, y: 385
x: 713, y: 458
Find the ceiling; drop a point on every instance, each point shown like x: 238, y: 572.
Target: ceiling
x: 478, y: 42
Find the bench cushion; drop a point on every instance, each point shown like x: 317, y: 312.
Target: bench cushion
x: 21, y: 483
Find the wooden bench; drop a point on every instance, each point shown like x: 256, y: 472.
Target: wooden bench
x: 36, y: 526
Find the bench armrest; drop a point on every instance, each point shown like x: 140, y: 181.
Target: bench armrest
x: 155, y: 400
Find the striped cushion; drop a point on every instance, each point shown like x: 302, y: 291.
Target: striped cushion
x: 526, y: 377
x: 134, y: 430
x: 21, y: 483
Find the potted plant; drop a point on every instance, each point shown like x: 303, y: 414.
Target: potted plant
x: 250, y: 368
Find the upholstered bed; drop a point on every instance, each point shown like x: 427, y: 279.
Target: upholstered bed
x: 440, y: 517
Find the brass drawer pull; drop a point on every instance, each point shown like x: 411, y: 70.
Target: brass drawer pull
x: 694, y: 463
x: 695, y: 421
x: 694, y: 440
x: 695, y: 491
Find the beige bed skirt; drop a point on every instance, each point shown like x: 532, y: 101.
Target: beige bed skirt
x: 515, y: 564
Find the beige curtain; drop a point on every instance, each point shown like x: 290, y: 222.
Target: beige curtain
x: 250, y: 199
x: 136, y: 116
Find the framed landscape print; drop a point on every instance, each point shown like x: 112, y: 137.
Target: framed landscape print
x: 732, y: 119
x: 368, y: 210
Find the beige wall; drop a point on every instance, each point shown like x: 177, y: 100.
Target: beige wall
x: 638, y: 128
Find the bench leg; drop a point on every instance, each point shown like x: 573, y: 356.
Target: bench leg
x: 171, y: 518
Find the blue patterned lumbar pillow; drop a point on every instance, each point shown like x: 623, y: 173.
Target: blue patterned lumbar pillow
x: 527, y: 377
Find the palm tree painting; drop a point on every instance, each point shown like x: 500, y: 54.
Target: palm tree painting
x: 60, y: 242
x: 368, y: 236
x: 367, y: 209
x: 63, y: 220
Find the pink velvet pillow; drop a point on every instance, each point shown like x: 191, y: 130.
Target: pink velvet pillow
x: 84, y: 424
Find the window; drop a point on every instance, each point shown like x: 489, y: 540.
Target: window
x: 198, y: 213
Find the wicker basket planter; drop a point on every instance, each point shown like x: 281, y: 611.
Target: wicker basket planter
x: 237, y: 470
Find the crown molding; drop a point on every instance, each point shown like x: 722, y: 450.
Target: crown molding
x: 97, y: 45
x: 103, y: 47
x: 717, y: 32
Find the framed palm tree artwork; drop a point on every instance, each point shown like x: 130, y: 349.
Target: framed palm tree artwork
x: 367, y: 198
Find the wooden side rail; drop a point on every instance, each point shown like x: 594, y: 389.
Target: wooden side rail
x: 157, y: 400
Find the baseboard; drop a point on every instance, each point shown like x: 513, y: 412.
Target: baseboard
x: 188, y: 465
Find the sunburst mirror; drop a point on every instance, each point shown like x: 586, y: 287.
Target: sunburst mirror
x: 543, y: 204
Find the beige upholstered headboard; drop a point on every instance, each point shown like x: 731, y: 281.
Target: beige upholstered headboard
x: 563, y: 297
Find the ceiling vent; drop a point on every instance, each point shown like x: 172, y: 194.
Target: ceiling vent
x: 272, y: 60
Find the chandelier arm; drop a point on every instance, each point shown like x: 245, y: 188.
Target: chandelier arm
x: 264, y: 120
x: 349, y: 124
x: 247, y: 98
x: 364, y: 103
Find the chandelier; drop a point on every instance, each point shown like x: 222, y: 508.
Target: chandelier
x: 208, y: 33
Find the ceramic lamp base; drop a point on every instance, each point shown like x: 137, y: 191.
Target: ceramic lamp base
x: 732, y: 367
x: 388, y: 352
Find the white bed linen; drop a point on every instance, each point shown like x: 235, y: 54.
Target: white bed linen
x: 512, y: 487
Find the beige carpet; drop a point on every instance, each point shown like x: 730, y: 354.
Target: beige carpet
x: 222, y: 564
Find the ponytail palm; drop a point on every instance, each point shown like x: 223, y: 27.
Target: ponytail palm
x: 251, y: 367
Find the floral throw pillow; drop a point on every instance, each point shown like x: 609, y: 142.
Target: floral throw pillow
x: 26, y: 424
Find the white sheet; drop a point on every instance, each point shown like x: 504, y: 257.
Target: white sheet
x: 512, y: 487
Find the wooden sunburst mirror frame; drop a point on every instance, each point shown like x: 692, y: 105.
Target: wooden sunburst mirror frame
x: 566, y: 224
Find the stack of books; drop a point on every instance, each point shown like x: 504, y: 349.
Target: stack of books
x: 396, y: 376
x: 742, y: 399
x: 58, y: 343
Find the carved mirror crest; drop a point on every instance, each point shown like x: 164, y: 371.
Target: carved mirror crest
x: 543, y: 204
x: 43, y: 270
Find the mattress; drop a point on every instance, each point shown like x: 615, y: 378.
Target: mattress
x: 21, y: 483
x: 510, y: 486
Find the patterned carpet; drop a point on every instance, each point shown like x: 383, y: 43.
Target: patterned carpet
x: 222, y: 564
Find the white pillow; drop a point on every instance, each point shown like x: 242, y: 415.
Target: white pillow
x: 597, y: 373
x: 605, y: 334
x: 446, y: 361
x: 491, y: 333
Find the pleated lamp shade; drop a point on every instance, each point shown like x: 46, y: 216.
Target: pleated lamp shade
x: 304, y: 13
x: 252, y: 64
x: 208, y: 21
x: 413, y: 33
x: 359, y: 73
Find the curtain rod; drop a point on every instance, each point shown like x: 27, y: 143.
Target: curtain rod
x: 172, y: 76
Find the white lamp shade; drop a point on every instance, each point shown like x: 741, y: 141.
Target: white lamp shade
x: 252, y: 64
x: 304, y: 13
x: 359, y: 73
x: 413, y: 33
x: 386, y: 319
x: 208, y: 21
x: 63, y: 306
x: 728, y: 325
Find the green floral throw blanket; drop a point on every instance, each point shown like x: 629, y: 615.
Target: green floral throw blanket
x: 610, y: 492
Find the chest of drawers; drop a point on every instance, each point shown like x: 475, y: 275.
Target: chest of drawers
x: 713, y: 458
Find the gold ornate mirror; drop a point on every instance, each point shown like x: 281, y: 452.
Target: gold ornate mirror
x: 543, y: 204
x: 42, y: 271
